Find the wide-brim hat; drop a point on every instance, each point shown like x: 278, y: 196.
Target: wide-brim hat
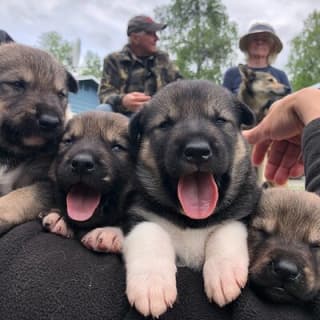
x: 144, y: 23
x: 260, y: 28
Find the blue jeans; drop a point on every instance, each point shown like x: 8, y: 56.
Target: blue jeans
x: 104, y: 107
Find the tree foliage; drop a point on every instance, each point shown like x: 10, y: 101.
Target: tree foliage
x: 200, y: 37
x: 92, y: 65
x: 303, y: 65
x: 61, y: 49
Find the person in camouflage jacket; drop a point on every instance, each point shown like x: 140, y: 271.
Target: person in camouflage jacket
x: 131, y: 76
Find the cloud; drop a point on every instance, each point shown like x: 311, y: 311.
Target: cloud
x: 101, y: 25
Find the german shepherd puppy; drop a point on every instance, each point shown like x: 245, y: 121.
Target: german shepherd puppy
x: 195, y: 183
x: 33, y: 105
x: 284, y: 241
x: 91, y: 174
x: 259, y: 90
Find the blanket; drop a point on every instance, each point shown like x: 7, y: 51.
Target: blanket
x: 44, y: 276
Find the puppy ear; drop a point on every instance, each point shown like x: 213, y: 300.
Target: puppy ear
x: 246, y: 74
x: 136, y: 129
x: 72, y: 83
x: 247, y: 116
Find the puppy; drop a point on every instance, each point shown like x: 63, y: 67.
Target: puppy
x: 195, y: 183
x: 259, y: 90
x: 91, y: 174
x: 33, y: 105
x: 284, y: 245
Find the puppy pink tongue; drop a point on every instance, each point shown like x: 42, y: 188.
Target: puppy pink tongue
x: 82, y: 201
x: 198, y: 195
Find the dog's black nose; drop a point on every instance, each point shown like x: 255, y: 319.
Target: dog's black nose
x: 285, y: 269
x: 197, y: 151
x: 48, y: 122
x: 83, y: 163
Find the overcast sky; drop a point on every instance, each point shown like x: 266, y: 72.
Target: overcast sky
x: 101, y: 24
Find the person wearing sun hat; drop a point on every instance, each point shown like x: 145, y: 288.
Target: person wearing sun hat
x: 260, y: 45
x: 131, y: 76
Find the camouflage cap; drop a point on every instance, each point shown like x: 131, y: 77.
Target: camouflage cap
x: 144, y: 23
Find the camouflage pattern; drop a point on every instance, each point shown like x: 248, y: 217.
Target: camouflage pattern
x: 123, y: 73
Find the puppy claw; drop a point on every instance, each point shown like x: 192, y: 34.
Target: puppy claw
x: 223, y: 282
x: 107, y: 239
x: 152, y: 294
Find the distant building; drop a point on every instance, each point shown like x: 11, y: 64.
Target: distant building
x: 87, y: 96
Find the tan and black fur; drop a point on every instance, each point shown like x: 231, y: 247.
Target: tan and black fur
x: 93, y: 159
x: 259, y: 89
x: 33, y: 105
x: 189, y: 130
x: 284, y: 245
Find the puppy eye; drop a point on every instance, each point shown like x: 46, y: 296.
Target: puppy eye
x: 118, y: 147
x: 262, y: 232
x: 67, y: 141
x: 18, y: 85
x: 315, y: 245
x: 165, y: 124
x: 62, y: 94
x: 219, y: 121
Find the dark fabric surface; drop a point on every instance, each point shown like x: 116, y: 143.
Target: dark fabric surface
x: 43, y: 276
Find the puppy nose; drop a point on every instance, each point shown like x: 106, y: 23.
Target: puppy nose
x: 285, y: 269
x: 48, y: 122
x: 83, y: 163
x: 197, y: 151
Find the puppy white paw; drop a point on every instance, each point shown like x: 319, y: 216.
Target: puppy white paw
x: 151, y: 269
x: 223, y: 280
x: 225, y: 270
x: 107, y: 239
x: 152, y: 292
x: 54, y: 223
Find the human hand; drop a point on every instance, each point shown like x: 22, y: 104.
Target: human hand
x: 279, y: 134
x: 134, y: 101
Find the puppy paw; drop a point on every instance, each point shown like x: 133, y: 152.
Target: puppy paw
x: 107, y: 239
x: 153, y: 292
x: 55, y: 223
x: 223, y: 280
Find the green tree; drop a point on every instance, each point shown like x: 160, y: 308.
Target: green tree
x: 303, y: 65
x: 61, y: 49
x: 200, y: 37
x: 92, y: 65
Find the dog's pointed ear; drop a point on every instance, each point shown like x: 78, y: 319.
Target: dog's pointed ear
x: 246, y: 73
x: 72, y: 83
x: 136, y: 129
x: 247, y: 116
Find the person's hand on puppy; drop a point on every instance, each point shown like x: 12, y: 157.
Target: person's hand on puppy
x: 279, y: 134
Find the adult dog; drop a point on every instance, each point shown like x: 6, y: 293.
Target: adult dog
x: 284, y: 241
x: 91, y: 174
x: 195, y: 183
x: 33, y: 105
x: 259, y: 89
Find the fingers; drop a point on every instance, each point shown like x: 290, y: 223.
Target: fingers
x: 284, y: 160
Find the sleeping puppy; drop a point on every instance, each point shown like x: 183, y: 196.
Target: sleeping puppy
x: 33, y: 105
x: 284, y: 245
x: 91, y: 174
x: 195, y: 183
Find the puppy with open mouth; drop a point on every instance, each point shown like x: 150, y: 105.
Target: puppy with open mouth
x: 91, y: 174
x: 33, y: 108
x: 284, y: 245
x: 194, y: 185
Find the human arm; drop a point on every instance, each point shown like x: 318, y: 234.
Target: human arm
x: 279, y: 134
